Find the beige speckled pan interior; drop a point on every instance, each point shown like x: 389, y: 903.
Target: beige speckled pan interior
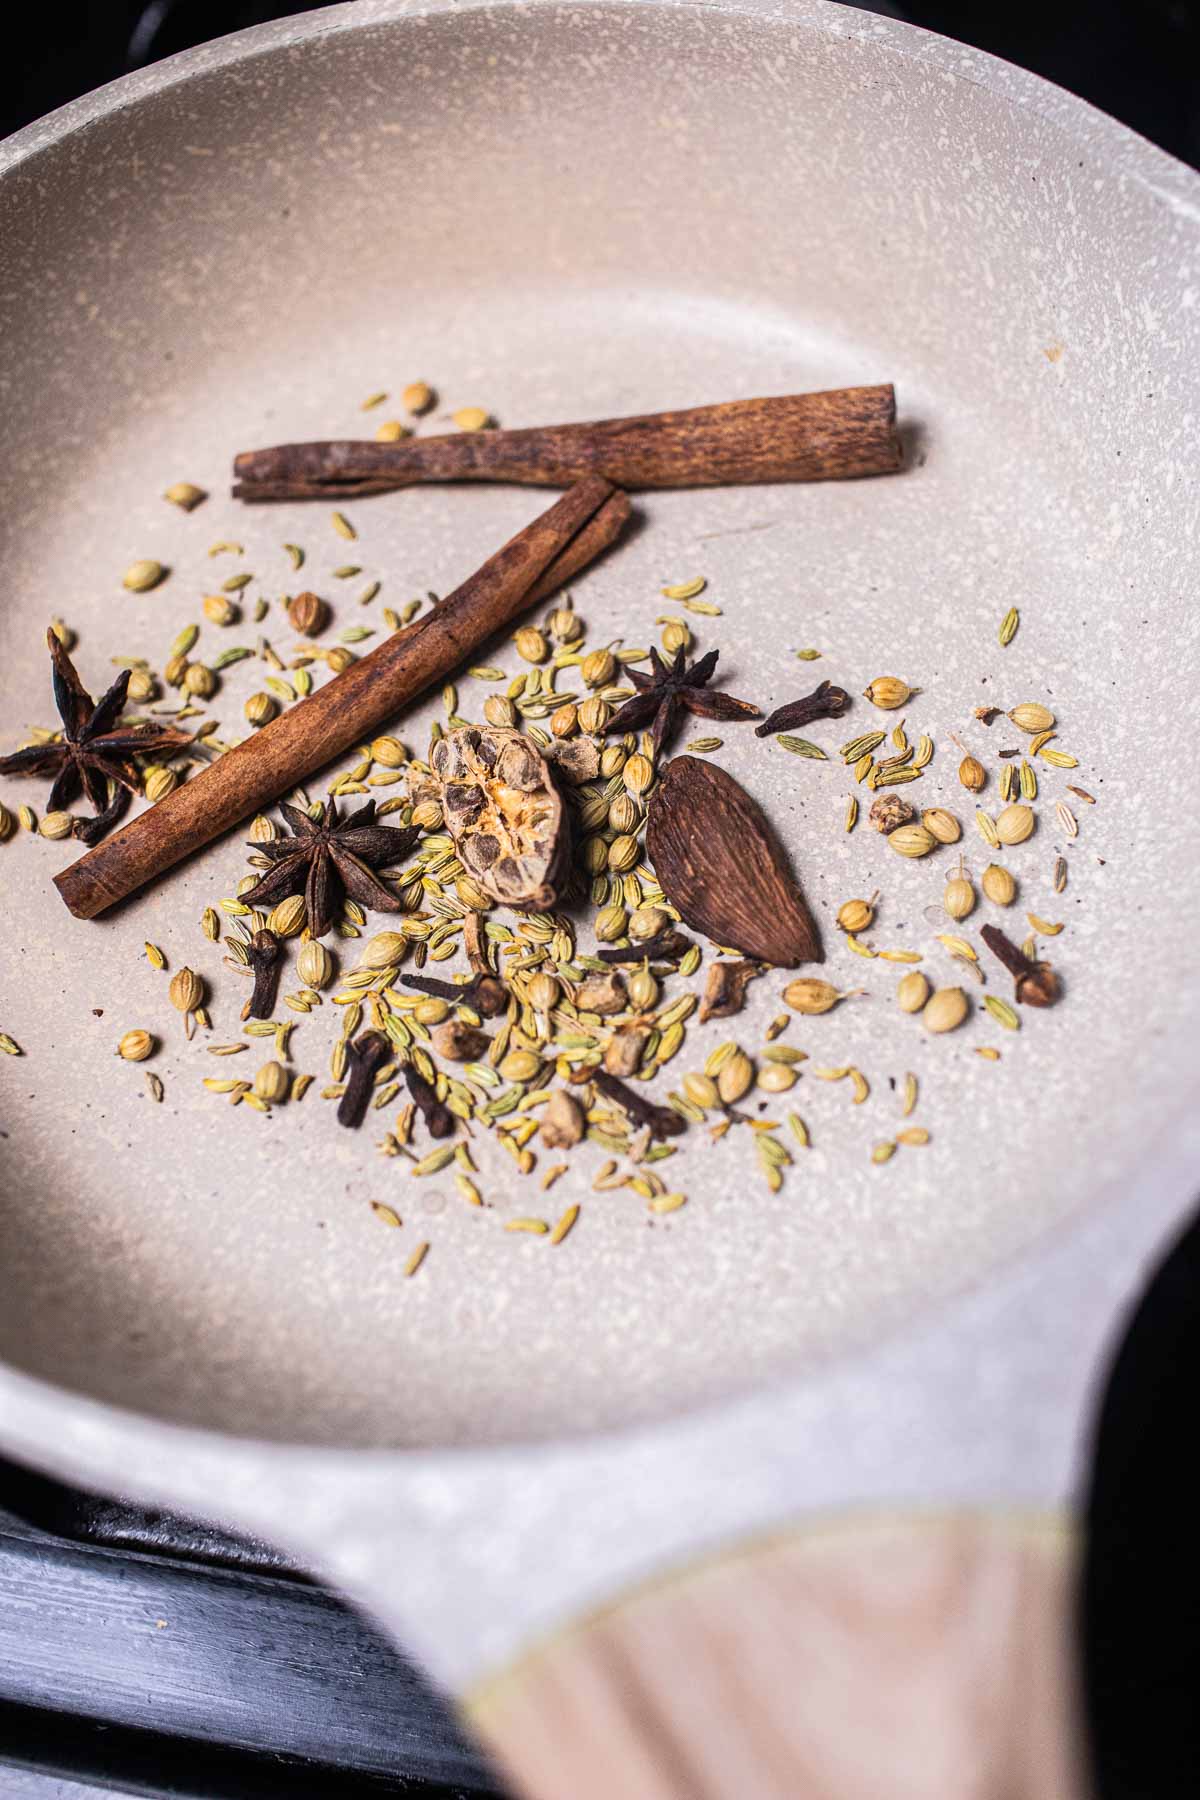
x: 561, y: 211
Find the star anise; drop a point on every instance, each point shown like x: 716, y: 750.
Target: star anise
x: 327, y: 857
x: 672, y: 690
x: 94, y: 750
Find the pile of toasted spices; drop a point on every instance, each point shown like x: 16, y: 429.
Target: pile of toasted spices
x: 532, y: 982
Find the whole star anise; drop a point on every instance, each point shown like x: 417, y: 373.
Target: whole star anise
x: 327, y: 857
x: 93, y: 751
x: 672, y: 690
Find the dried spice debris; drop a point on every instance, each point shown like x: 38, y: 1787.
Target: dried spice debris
x: 329, y: 856
x: 505, y: 815
x: 94, y: 752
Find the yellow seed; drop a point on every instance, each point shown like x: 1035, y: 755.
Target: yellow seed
x: 998, y: 885
x: 1044, y: 925
x: 887, y: 692
x: 531, y: 644
x: 210, y: 924
x: 799, y: 1130
x: 972, y: 774
x: 417, y: 397
x: 910, y: 1095
x: 391, y: 431
x: 55, y: 825
x: 1002, y: 1012
x: 883, y: 1151
x: 958, y: 898
x: 1032, y: 717
x: 342, y: 525
x: 272, y: 1082
x: 135, y: 1046
x: 986, y: 828
x: 1059, y: 759
x: 1015, y: 824
x: 684, y: 590
x: 776, y: 1078
x: 987, y: 1052
x: 943, y: 825
x: 416, y: 1259
x: 186, y: 990
x: 538, y: 1227
x: 598, y: 668
x: 623, y: 853
x: 809, y: 994
x: 853, y: 944
x: 158, y: 782
x: 565, y: 1222
x: 260, y: 709
x: 287, y: 919
x: 701, y: 1090
x: 913, y: 1134
x: 218, y: 609
x: 140, y: 577
x: 667, y: 1203
x: 735, y: 1078
x: 851, y: 813
x: 472, y: 418
x: 155, y: 957
x: 856, y: 915
x: 637, y: 774
x: 1008, y: 627
x: 912, y: 840
x: 861, y: 1086
x: 946, y: 1010
x: 957, y: 946
x: 185, y: 494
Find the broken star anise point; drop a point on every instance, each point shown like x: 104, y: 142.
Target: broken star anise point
x: 95, y: 752
x: 672, y: 689
x: 329, y: 857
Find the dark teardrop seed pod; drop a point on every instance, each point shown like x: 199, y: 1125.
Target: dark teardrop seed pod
x: 718, y: 860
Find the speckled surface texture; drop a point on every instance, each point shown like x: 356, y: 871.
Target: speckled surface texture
x: 572, y: 211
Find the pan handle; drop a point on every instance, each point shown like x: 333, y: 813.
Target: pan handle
x: 930, y: 1657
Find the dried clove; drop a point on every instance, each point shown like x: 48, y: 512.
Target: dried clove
x: 439, y: 1120
x: 364, y: 1055
x: 263, y: 954
x: 660, y: 1121
x: 825, y: 702
x: 664, y: 946
x: 487, y: 993
x: 1036, y: 984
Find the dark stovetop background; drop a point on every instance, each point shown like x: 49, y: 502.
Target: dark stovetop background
x: 1137, y: 59
x: 257, y: 1683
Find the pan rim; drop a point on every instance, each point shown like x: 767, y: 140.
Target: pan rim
x: 64, y: 1425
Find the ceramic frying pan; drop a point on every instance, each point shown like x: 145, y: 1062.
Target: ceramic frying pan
x: 577, y: 210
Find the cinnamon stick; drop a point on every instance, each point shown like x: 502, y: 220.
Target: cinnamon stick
x: 790, y: 437
x: 354, y: 705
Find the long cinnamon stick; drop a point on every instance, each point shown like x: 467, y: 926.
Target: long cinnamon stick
x: 792, y: 437
x: 354, y: 705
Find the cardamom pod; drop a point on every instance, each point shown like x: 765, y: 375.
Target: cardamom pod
x: 719, y: 863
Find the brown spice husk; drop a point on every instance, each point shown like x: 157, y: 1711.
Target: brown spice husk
x: 562, y: 1121
x: 725, y: 989
x: 720, y: 864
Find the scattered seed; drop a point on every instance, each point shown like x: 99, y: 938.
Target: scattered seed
x: 1002, y: 1012
x: 1066, y: 818
x: 416, y: 1259
x: 1008, y: 627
